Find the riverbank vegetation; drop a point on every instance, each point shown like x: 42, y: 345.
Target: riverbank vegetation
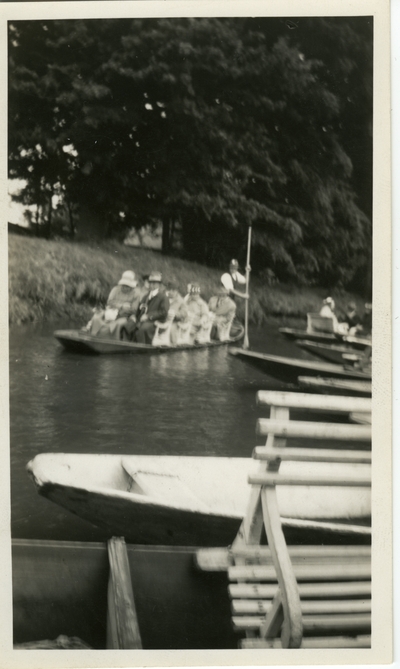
x: 57, y: 279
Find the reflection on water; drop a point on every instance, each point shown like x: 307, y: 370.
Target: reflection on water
x: 186, y: 403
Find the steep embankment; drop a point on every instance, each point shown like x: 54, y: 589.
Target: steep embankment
x: 49, y: 280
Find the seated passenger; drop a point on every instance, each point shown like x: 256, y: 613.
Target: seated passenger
x: 224, y: 309
x: 198, y: 311
x: 122, y: 303
x: 328, y: 311
x: 152, y: 307
x: 366, y: 320
x: 178, y: 306
x: 352, y: 318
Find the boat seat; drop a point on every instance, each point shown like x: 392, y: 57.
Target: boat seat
x: 163, y: 487
x: 303, y: 596
x: 162, y: 332
x: 317, y: 323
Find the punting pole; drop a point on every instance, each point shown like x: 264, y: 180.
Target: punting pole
x: 246, y: 313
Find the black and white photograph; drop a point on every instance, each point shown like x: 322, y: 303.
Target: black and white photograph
x: 196, y: 244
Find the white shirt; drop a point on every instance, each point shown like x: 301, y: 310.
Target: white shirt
x: 227, y: 280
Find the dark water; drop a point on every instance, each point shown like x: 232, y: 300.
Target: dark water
x: 185, y: 403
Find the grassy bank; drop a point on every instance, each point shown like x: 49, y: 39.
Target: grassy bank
x: 50, y: 280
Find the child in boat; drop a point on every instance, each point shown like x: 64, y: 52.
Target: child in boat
x: 122, y: 304
x: 328, y: 311
x: 178, y: 307
x: 198, y: 313
x: 224, y: 309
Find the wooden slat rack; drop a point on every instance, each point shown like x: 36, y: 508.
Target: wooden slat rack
x: 297, y: 596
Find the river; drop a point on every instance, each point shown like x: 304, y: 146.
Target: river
x: 185, y: 403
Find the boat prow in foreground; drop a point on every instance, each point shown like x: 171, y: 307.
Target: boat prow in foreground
x: 179, y: 500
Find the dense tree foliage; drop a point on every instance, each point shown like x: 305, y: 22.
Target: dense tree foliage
x: 207, y: 125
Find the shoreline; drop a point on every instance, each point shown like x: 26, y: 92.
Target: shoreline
x: 53, y: 280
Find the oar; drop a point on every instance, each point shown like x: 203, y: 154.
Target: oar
x: 246, y: 313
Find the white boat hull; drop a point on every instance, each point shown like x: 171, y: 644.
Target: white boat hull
x: 184, y: 500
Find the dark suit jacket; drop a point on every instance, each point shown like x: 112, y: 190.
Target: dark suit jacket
x: 156, y: 308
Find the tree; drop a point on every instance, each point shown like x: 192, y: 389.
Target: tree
x: 204, y: 124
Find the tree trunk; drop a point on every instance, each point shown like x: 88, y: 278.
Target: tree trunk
x: 71, y: 220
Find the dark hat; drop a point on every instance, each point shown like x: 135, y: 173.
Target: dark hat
x: 156, y: 277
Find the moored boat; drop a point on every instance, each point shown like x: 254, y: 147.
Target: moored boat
x: 336, y: 386
x: 79, y: 341
x: 359, y: 343
x: 336, y: 353
x: 179, y: 500
x: 289, y: 369
x: 60, y: 593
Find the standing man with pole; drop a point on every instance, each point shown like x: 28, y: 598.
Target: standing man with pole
x: 231, y: 281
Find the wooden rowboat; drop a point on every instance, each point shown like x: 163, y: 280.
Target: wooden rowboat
x: 60, y: 594
x: 289, y: 369
x: 336, y: 353
x: 359, y: 343
x: 78, y: 341
x: 179, y: 500
x: 335, y: 386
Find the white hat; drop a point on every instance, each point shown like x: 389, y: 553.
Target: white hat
x: 128, y: 279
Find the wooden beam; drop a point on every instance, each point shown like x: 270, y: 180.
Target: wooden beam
x: 310, y: 590
x: 311, y: 455
x: 332, y: 403
x: 361, y: 641
x: 122, y: 623
x: 311, y: 607
x: 273, y: 479
x: 302, y: 429
x: 356, y: 571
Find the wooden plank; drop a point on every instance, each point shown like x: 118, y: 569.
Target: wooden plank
x: 292, y: 628
x: 311, y: 607
x: 300, y: 551
x: 122, y: 623
x: 333, y: 623
x: 313, y: 572
x: 302, y: 429
x: 213, y: 559
x: 311, y: 455
x: 310, y: 590
x: 274, y: 619
x: 334, y: 527
x: 337, y: 623
x: 252, y: 525
x: 273, y: 479
x: 335, y: 403
x: 361, y: 641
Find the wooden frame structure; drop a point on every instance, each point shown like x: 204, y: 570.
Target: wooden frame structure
x: 299, y: 596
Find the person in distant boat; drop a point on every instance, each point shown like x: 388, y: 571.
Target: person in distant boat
x: 224, y: 309
x: 152, y: 307
x: 328, y: 311
x: 178, y: 307
x: 352, y: 318
x: 122, y: 304
x: 232, y: 281
x: 197, y: 310
x: 366, y: 320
